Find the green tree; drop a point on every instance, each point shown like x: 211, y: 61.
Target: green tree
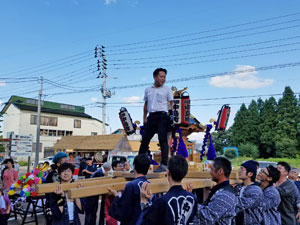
x: 249, y: 150
x: 268, y: 122
x: 252, y: 123
x: 285, y: 132
x: 221, y: 140
x: 239, y: 128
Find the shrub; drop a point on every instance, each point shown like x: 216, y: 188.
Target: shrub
x: 230, y: 153
x: 249, y: 150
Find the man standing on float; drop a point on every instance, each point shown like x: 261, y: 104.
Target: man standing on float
x: 158, y: 102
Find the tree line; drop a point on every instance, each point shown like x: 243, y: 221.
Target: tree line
x: 265, y: 129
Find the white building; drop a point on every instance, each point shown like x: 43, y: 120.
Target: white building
x: 57, y: 120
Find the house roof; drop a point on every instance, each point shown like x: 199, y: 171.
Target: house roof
x: 153, y: 146
x: 52, y: 111
x: 89, y: 143
x: 30, y: 104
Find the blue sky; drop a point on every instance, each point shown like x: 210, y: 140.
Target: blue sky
x: 55, y: 39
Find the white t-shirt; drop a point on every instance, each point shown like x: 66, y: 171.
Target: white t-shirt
x: 158, y: 98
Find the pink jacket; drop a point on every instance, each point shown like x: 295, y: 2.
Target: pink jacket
x: 9, y: 177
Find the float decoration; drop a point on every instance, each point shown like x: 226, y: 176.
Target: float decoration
x: 211, y: 153
x: 26, y: 184
x: 178, y: 144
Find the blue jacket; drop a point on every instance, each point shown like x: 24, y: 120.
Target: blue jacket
x: 176, y: 207
x: 126, y: 208
x: 62, y: 218
x: 271, y: 200
x: 249, y: 206
x: 219, y: 208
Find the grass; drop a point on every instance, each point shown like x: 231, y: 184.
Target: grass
x: 236, y: 162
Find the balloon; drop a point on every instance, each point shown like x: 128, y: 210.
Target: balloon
x: 11, y: 192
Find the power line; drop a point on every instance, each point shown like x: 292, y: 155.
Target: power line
x: 210, y: 60
x: 204, y: 51
x: 205, y: 42
x: 188, y: 78
x: 208, y: 36
x: 48, y: 63
x: 207, y: 31
x: 204, y: 56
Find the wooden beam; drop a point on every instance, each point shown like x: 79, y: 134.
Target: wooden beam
x: 150, y: 175
x: 48, y: 188
x: 156, y: 187
x: 206, y: 175
x: 93, y: 179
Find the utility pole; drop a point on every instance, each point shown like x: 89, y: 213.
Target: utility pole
x: 105, y: 93
x: 37, y: 148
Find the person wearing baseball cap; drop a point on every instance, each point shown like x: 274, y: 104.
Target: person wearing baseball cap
x: 52, y: 177
x: 249, y: 195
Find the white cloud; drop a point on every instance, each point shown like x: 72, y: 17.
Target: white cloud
x: 241, y: 80
x: 94, y: 99
x: 2, y: 83
x: 133, y: 99
x: 198, y: 137
x: 108, y: 2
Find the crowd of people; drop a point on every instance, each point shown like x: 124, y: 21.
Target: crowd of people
x: 268, y: 196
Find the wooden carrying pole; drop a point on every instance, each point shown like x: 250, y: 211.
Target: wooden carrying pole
x: 49, y: 188
x: 156, y: 187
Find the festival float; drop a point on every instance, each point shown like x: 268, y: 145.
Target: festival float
x: 183, y: 124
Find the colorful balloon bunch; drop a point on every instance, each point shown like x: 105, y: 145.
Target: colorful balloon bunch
x: 27, y: 183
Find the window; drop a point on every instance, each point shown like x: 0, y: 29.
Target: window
x: 33, y: 119
x: 43, y: 132
x: 61, y: 133
x: 52, y: 133
x: 45, y: 120
x: 77, y: 123
x: 53, y: 121
x: 69, y: 133
x: 94, y: 133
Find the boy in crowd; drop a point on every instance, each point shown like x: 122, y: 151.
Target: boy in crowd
x: 219, y: 207
x: 288, y: 194
x: 64, y: 210
x: 271, y: 198
x: 59, y: 159
x: 293, y: 175
x: 117, y: 165
x: 89, y: 169
x: 177, y: 206
x: 126, y: 208
x: 249, y: 196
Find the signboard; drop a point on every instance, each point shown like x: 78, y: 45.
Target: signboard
x: 21, y: 145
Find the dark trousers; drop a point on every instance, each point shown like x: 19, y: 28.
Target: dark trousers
x: 91, y: 208
x: 159, y: 123
x: 3, y: 219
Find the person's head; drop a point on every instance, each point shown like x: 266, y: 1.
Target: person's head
x: 127, y: 166
x: 89, y: 161
x: 71, y: 155
x: 284, y: 168
x: 248, y: 170
x: 269, y: 174
x: 60, y: 158
x: 106, y: 166
x: 159, y: 76
x: 10, y: 163
x: 293, y: 174
x: 141, y: 164
x: 220, y: 169
x: 177, y: 168
x: 117, y: 165
x: 79, y: 153
x: 65, y: 172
